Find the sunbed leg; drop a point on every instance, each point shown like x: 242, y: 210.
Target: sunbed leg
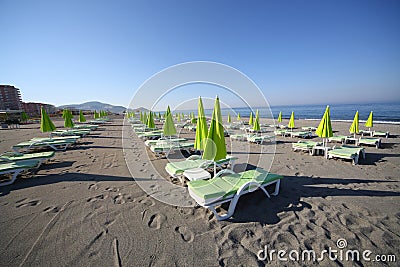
x: 224, y: 216
x: 277, y: 186
x: 355, y: 160
x: 13, y: 178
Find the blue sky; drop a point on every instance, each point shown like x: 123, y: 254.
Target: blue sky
x: 297, y: 52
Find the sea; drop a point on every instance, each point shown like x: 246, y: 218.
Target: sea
x: 383, y: 112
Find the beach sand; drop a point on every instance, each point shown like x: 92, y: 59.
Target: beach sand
x: 83, y: 208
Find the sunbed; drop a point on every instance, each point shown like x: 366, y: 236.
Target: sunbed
x: 81, y: 133
x: 91, y: 127
x: 221, y: 189
x: 166, y: 148
x: 370, y: 141
x: 54, y: 144
x: 179, y: 125
x: 282, y: 132
x: 239, y: 137
x: 306, y: 134
x: 164, y: 141
x: 175, y: 169
x: 259, y: 139
x: 305, y: 146
x: 15, y: 168
x: 150, y: 135
x: 380, y: 134
x: 365, y: 133
x: 308, y: 128
x: 97, y: 122
x: 337, y: 138
x: 13, y: 156
x: 347, y: 152
x: 190, y: 127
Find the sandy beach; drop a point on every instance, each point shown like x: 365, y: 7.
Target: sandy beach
x: 84, y: 208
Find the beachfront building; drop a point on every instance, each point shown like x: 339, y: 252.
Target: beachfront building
x: 33, y: 109
x: 10, y: 98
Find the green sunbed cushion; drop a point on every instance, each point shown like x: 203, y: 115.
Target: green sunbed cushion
x: 166, y: 146
x: 225, y: 187
x: 345, y: 151
x: 368, y: 140
x: 39, y: 155
x: 25, y: 164
x: 181, y: 166
x: 305, y: 144
x: 163, y: 141
x: 41, y: 143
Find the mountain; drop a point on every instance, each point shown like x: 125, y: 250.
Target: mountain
x: 95, y: 105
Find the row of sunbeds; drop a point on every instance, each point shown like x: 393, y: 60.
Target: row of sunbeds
x: 225, y: 186
x: 26, y: 156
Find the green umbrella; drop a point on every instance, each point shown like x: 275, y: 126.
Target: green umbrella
x: 68, y: 123
x: 370, y: 122
x: 145, y: 118
x: 291, y: 121
x: 169, y: 127
x: 354, y: 126
x: 168, y: 111
x: 193, y: 118
x: 159, y: 115
x: 46, y: 125
x: 141, y: 116
x: 256, y: 123
x: 238, y: 117
x: 201, y: 127
x: 95, y: 114
x: 215, y: 147
x: 179, y: 117
x: 324, y: 129
x: 280, y: 116
x: 24, y: 116
x: 81, y: 117
x: 150, y: 120
x: 251, y: 118
x: 229, y: 118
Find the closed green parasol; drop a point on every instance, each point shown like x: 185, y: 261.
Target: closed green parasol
x: 169, y: 126
x: 256, y: 124
x: 370, y: 122
x: 324, y: 129
x: 215, y: 147
x: 46, y: 125
x: 280, y: 116
x: 201, y: 127
x: 291, y: 121
x: 354, y: 126
x: 150, y: 120
x: 68, y: 123
x: 81, y: 117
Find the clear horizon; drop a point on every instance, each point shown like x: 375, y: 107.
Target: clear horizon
x: 312, y: 52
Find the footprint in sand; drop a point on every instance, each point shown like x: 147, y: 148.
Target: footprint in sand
x: 29, y: 203
x: 93, y: 187
x: 51, y: 209
x: 119, y: 199
x: 112, y: 189
x: 185, y: 233
x: 156, y: 220
x: 99, y: 197
x: 147, y: 202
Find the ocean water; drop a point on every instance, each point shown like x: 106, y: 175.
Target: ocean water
x: 383, y: 112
